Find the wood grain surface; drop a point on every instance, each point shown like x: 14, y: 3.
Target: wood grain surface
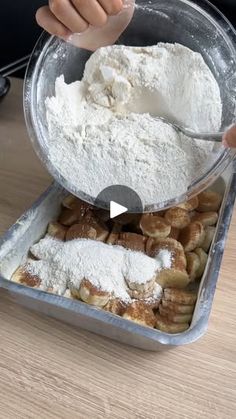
x: 51, y: 370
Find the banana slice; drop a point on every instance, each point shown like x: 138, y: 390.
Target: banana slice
x: 203, y: 261
x: 22, y: 276
x: 68, y: 217
x: 92, y: 295
x: 189, y: 205
x: 206, y: 218
x: 141, y: 295
x: 173, y: 278
x: 57, y: 230
x: 180, y: 296
x: 127, y: 218
x: 210, y: 233
x: 177, y: 217
x: 175, y: 275
x: 192, y: 236
x: 154, y: 226
x: 114, y: 234
x: 132, y: 241
x: 140, y: 314
x: 209, y: 201
x: 75, y: 293
x: 174, y: 317
x: 70, y: 202
x: 193, y: 265
x: 73, y: 203
x: 178, y: 308
x: 154, y: 300
x: 115, y: 306
x: 82, y: 231
x: 148, y: 286
x: 67, y: 294
x: 102, y: 231
x: 174, y: 233
x: 149, y: 244
x: 168, y: 326
x: 174, y: 247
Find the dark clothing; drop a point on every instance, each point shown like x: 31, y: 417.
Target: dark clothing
x: 18, y: 28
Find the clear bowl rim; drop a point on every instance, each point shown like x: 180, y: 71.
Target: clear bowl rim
x: 200, y: 183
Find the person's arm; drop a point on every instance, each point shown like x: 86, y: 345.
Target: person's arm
x: 64, y: 17
x: 229, y: 139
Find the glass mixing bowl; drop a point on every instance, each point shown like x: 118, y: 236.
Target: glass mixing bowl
x: 197, y: 25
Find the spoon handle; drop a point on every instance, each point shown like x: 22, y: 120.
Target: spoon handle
x: 211, y: 136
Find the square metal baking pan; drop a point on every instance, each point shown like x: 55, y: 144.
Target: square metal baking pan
x: 14, y: 246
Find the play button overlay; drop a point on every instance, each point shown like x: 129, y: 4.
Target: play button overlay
x: 116, y: 209
x: 118, y: 200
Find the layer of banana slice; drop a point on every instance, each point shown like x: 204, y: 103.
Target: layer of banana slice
x: 141, y: 295
x: 180, y: 296
x: 178, y: 308
x: 176, y: 275
x: 73, y: 203
x: 209, y: 201
x: 203, y: 261
x: 68, y: 217
x: 206, y: 218
x: 102, y: 231
x: 92, y: 295
x: 57, y: 230
x: 81, y: 231
x: 174, y: 317
x: 115, y: 306
x: 154, y: 299
x: 132, y: 241
x: 210, y: 233
x: 114, y: 234
x: 177, y: 217
x: 67, y: 294
x: 146, y: 287
x: 174, y: 247
x: 154, y: 226
x: 192, y: 236
x: 193, y: 265
x: 22, y: 276
x: 174, y: 233
x: 139, y: 313
x: 190, y: 205
x: 167, y: 326
x: 173, y: 277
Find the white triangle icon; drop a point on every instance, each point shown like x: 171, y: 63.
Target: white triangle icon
x: 116, y: 209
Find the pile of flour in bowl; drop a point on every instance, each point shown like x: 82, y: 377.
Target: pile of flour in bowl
x: 102, y: 129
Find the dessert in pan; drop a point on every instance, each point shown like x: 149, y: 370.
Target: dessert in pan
x: 146, y: 269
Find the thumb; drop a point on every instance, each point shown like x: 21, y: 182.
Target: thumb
x: 229, y: 138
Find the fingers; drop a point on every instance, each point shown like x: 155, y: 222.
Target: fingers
x: 49, y: 22
x: 65, y: 12
x: 63, y: 17
x: 111, y: 7
x: 229, y: 139
x: 91, y: 11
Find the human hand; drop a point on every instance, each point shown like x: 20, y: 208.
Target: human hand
x: 229, y: 139
x: 65, y: 17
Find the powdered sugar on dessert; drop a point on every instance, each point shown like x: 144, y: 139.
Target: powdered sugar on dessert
x: 102, y: 131
x: 108, y: 268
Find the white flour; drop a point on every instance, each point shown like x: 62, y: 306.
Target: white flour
x: 107, y: 267
x: 102, y: 131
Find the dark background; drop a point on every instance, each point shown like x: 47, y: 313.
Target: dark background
x: 19, y: 31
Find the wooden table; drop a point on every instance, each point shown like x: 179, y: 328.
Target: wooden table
x: 50, y: 370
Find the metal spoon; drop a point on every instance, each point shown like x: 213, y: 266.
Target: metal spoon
x: 207, y: 136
